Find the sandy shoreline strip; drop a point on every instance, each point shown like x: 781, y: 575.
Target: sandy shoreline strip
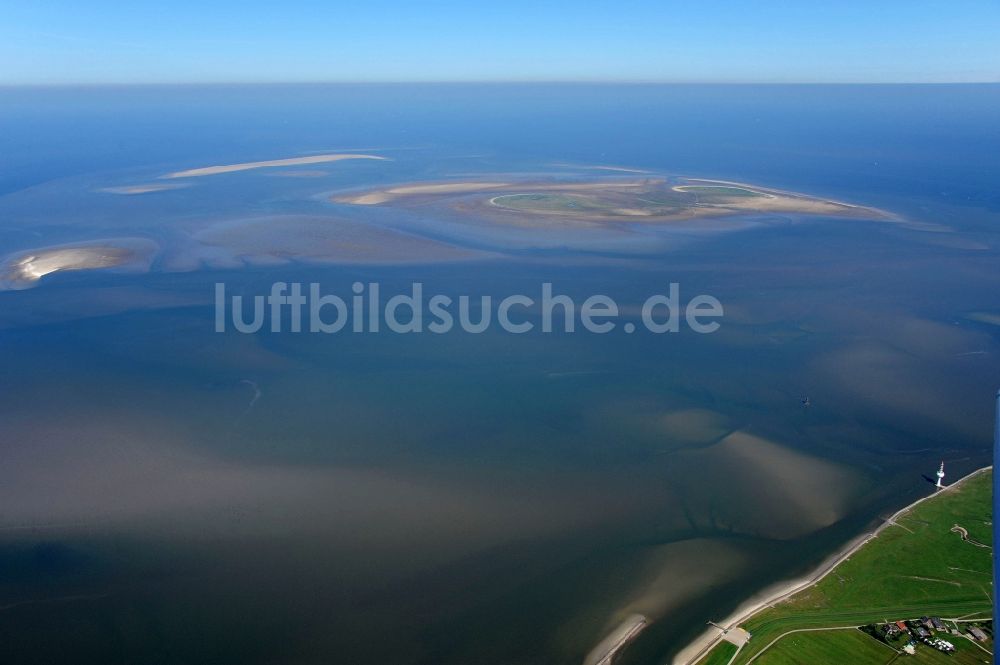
x: 246, y: 166
x: 131, y: 190
x: 604, y: 653
x: 697, y: 649
x: 695, y: 182
x: 377, y: 196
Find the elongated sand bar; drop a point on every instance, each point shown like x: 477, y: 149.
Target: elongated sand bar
x: 247, y: 166
x: 132, y: 190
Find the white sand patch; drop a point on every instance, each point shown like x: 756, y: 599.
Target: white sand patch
x: 381, y: 196
x: 300, y: 173
x: 446, y: 188
x: 372, y: 199
x: 24, y: 269
x: 147, y: 188
x: 605, y: 652
x: 246, y: 166
x: 722, y: 189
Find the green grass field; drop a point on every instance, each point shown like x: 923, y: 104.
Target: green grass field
x: 827, y: 646
x: 916, y: 568
x: 854, y: 646
x: 720, y: 655
x: 606, y: 203
x: 550, y: 203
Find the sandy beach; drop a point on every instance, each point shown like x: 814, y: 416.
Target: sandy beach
x: 247, y: 166
x: 604, y: 653
x: 378, y: 196
x: 132, y: 190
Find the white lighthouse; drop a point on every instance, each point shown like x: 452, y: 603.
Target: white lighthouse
x: 940, y: 476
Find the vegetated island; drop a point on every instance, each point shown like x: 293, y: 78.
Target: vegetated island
x: 921, y: 584
x: 604, y: 201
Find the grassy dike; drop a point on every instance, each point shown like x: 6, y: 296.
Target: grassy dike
x: 916, y: 567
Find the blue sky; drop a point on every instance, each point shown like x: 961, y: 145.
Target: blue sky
x: 97, y: 41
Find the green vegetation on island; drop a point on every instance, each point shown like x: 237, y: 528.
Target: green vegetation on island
x: 651, y: 200
x: 550, y: 202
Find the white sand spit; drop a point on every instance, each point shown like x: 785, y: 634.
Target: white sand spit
x: 246, y: 166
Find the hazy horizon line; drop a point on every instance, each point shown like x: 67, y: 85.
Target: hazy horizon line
x: 513, y: 81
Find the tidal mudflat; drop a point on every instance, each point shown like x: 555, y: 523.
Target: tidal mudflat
x: 174, y: 494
